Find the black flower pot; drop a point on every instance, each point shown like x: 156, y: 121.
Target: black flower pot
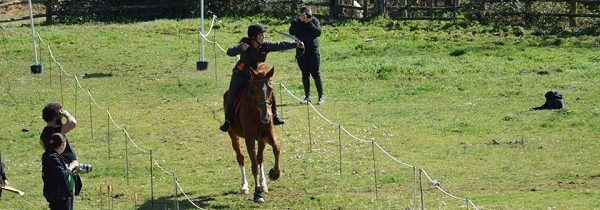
x: 36, y: 69
x: 201, y: 65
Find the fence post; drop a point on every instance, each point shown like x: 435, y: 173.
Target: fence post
x: 151, y: 180
x: 108, y: 131
x: 175, y: 200
x: 332, y: 8
x: 379, y: 7
x: 281, y: 107
x: 308, y: 120
x: 455, y: 4
x: 76, y: 91
x: 527, y: 13
x: 126, y: 156
x: 215, y: 54
x: 91, y: 121
x: 421, y: 184
x: 110, y: 190
x: 62, y: 98
x: 365, y: 9
x: 414, y: 187
x: 406, y: 8
x: 572, y: 13
x: 430, y: 8
x: 375, y: 173
x: 480, y: 10
x: 50, y: 64
x: 467, y: 202
x: 49, y: 12
x: 340, y: 145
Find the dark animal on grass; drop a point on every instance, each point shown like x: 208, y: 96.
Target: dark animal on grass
x: 253, y: 121
x: 554, y: 100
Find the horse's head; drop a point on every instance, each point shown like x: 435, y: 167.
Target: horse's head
x: 262, y: 90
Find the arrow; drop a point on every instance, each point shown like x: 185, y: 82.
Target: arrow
x: 289, y: 36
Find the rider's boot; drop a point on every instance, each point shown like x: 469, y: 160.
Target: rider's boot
x: 276, y: 119
x: 227, y: 123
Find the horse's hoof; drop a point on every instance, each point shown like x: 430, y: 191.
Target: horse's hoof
x: 244, y: 191
x: 274, y: 175
x: 258, y: 197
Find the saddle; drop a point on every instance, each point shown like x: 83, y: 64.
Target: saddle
x: 238, y: 101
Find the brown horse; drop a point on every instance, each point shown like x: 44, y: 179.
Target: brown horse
x: 254, y: 123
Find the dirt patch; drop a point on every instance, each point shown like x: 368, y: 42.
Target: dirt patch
x: 571, y: 184
x: 495, y: 142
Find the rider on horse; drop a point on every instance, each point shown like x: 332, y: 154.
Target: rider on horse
x: 252, y: 50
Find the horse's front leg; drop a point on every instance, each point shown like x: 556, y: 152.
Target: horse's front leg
x: 235, y: 143
x: 260, y: 156
x: 258, y: 196
x: 275, y: 172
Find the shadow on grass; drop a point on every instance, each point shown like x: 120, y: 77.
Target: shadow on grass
x: 168, y: 202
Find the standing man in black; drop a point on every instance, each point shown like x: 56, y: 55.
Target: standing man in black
x: 307, y: 28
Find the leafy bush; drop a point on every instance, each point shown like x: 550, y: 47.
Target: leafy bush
x: 77, y: 11
x: 528, y: 14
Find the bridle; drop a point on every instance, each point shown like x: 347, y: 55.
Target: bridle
x: 265, y: 81
x: 265, y: 101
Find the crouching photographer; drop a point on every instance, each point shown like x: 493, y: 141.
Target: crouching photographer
x: 53, y: 114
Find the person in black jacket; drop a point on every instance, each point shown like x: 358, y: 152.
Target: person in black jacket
x: 57, y: 175
x: 252, y: 50
x: 307, y: 28
x: 3, y: 179
x: 53, y: 114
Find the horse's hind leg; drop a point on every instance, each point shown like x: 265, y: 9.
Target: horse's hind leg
x: 235, y: 143
x: 260, y: 156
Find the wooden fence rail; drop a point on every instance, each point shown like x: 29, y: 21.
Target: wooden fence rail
x: 48, y: 14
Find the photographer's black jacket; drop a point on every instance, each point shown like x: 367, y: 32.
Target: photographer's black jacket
x: 2, y: 175
x: 308, y: 33
x: 56, y: 176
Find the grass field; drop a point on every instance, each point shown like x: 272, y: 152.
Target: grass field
x: 450, y: 98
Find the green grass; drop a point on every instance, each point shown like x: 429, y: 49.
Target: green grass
x: 435, y: 95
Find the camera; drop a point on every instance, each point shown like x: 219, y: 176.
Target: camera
x: 308, y: 15
x: 83, y: 168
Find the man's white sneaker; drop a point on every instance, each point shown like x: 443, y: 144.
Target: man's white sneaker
x: 321, y: 101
